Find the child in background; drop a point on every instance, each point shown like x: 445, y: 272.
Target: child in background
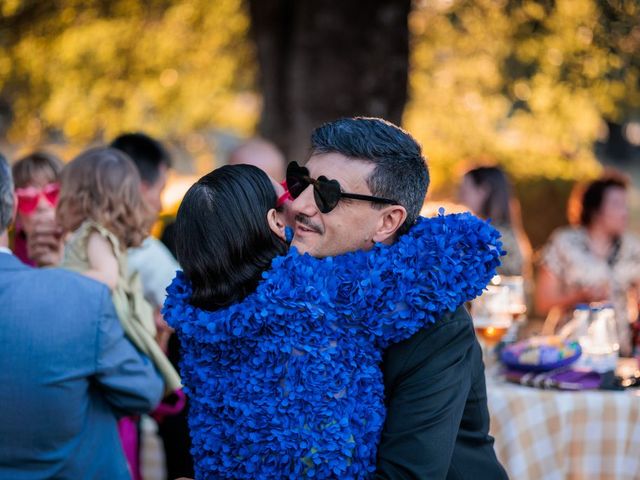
x: 102, y: 213
x: 37, y: 189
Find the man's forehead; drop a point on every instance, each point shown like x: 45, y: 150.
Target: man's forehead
x: 350, y: 172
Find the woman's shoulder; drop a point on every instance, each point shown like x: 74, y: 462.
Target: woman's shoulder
x: 560, y: 248
x: 630, y: 237
x: 567, y: 234
x: 631, y: 242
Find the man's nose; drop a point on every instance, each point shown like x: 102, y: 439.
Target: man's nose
x: 305, y: 204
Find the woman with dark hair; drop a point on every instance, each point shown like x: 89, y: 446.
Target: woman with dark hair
x: 487, y: 192
x: 593, y: 260
x: 281, y: 351
x: 240, y: 199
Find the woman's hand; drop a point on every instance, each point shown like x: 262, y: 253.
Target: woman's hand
x: 45, y: 245
x: 550, y: 293
x: 163, y: 330
x: 599, y: 293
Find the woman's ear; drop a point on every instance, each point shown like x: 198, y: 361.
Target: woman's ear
x: 391, y: 219
x: 276, y: 223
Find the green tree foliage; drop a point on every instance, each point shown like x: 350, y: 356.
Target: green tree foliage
x: 526, y: 83
x: 88, y: 69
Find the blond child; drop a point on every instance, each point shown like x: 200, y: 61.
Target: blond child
x: 102, y: 213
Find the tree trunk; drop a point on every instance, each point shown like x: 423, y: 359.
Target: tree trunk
x: 325, y: 59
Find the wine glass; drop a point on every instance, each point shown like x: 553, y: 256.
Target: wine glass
x: 492, y: 317
x: 517, y: 305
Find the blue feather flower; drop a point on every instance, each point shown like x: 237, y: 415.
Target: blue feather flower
x: 287, y: 383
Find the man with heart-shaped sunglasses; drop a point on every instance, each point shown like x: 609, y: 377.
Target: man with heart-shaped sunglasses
x: 365, y: 183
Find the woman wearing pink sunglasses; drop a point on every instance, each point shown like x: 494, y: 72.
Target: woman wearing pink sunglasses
x: 37, y: 189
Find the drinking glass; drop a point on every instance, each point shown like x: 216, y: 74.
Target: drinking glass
x: 492, y: 318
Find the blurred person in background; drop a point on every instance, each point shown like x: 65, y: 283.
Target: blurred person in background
x: 268, y: 158
x: 262, y: 154
x: 102, y: 211
x: 157, y: 266
x: 487, y: 192
x: 151, y: 260
x: 37, y: 240
x: 66, y: 369
x: 593, y: 260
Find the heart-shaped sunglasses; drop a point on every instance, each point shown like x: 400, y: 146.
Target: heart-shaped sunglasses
x: 327, y: 193
x: 29, y: 197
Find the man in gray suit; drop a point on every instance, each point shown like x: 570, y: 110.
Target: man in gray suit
x: 66, y: 370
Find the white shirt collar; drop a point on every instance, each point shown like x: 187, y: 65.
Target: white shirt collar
x: 5, y: 250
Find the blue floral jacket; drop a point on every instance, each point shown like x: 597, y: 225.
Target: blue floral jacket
x: 287, y: 383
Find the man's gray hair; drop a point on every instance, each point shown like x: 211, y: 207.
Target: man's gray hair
x: 6, y: 194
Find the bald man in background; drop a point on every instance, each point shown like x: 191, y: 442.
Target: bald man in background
x: 262, y: 154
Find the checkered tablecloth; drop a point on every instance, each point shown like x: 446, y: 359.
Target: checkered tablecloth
x: 554, y: 435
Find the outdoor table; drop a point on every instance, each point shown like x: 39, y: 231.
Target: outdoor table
x: 552, y: 435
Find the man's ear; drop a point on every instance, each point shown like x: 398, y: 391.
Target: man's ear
x: 276, y: 223
x: 391, y: 220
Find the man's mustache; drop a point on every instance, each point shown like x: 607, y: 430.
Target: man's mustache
x: 304, y: 220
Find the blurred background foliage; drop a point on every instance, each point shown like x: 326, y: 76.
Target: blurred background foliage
x: 81, y: 71
x: 533, y: 85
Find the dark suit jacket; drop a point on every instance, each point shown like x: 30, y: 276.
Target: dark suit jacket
x: 437, y: 422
